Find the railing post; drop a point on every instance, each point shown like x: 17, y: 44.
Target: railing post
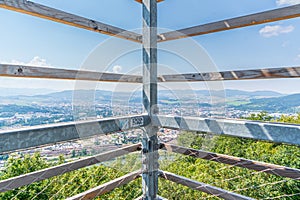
x: 150, y: 140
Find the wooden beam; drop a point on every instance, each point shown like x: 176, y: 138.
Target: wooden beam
x: 37, y: 136
x: 235, y: 161
x: 107, y: 187
x: 273, y: 132
x: 218, y: 192
x: 238, y: 22
x: 22, y: 71
x: 252, y: 74
x: 59, y: 16
x: 26, y: 179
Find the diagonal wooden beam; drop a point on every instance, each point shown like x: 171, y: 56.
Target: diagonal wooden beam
x: 238, y: 22
x: 235, y: 161
x: 56, y: 15
x: 195, y: 185
x: 26, y: 179
x: 22, y: 71
x: 252, y: 74
x: 107, y: 187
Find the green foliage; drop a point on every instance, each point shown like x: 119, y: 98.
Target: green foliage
x: 189, y: 139
x: 68, y: 184
x: 258, y: 185
x: 251, y: 183
x: 73, y: 152
x: 17, y: 165
x: 290, y: 119
x: 262, y: 116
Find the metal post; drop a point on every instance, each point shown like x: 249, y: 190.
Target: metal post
x: 150, y: 141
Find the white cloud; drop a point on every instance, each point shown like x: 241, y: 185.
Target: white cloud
x: 117, y: 69
x: 287, y: 2
x: 52, y: 84
x: 269, y: 31
x: 36, y: 61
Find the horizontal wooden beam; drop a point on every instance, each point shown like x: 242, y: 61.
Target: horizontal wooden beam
x: 238, y: 22
x: 273, y: 132
x: 52, y: 14
x: 37, y: 136
x: 235, y: 161
x: 107, y: 187
x: 26, y: 179
x: 22, y: 71
x: 218, y: 192
x: 252, y: 74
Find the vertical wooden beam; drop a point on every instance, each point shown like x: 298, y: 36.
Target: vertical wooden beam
x: 150, y: 140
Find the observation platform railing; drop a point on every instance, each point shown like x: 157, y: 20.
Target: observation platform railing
x: 20, y: 139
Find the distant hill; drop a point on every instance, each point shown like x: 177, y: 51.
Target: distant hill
x: 103, y: 94
x: 227, y: 93
x: 289, y: 103
x: 232, y: 93
x: 69, y: 93
x: 243, y: 100
x: 4, y: 92
x: 69, y: 96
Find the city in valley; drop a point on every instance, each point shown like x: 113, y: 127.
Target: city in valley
x: 24, y: 111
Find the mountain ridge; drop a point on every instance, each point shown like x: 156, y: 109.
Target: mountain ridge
x: 13, y: 92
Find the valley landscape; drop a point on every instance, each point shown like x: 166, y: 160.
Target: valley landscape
x: 53, y: 107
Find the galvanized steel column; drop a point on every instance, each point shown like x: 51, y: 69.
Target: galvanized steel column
x: 150, y: 141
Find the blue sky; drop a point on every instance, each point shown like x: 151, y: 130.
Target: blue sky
x: 30, y: 40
